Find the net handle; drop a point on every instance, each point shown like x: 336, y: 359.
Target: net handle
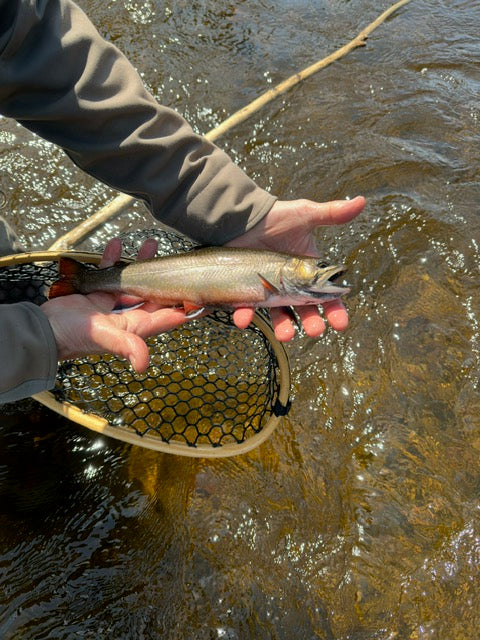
x: 51, y: 256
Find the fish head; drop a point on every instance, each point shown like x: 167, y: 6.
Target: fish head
x: 312, y: 277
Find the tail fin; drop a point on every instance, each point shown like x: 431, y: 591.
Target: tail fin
x: 68, y: 283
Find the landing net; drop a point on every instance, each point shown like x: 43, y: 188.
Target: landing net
x: 210, y: 389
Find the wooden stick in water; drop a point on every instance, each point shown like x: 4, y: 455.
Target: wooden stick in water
x: 286, y: 85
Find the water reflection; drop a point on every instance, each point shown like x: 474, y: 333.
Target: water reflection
x: 359, y: 518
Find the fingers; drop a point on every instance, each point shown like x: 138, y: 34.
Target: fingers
x: 282, y: 325
x: 336, y: 315
x: 312, y: 321
x: 342, y: 211
x: 148, y: 249
x: 243, y: 317
x: 136, y: 352
x: 147, y: 323
x: 321, y: 214
x: 122, y: 343
x: 124, y: 334
x: 329, y: 213
x: 112, y: 252
x: 282, y: 322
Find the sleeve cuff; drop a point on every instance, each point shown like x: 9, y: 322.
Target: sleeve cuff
x: 27, y: 350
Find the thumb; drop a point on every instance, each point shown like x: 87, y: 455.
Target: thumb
x: 335, y: 212
x: 135, y: 350
x: 126, y: 345
x: 139, y: 356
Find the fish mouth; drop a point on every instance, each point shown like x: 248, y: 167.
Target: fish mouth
x: 329, y: 289
x: 336, y: 271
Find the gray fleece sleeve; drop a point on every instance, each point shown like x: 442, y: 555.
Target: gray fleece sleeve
x: 28, y: 352
x: 62, y: 80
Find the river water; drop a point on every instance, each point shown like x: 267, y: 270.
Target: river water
x: 359, y: 519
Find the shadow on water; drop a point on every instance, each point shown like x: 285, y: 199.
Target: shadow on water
x: 359, y: 518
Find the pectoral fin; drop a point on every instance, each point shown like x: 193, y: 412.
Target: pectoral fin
x: 193, y: 310
x: 271, y: 288
x: 120, y: 307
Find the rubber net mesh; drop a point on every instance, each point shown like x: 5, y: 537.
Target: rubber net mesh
x: 207, y: 383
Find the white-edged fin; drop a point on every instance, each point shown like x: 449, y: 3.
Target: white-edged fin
x: 120, y: 308
x: 196, y: 313
x: 193, y: 310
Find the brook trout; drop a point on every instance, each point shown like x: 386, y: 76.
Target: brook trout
x: 209, y: 277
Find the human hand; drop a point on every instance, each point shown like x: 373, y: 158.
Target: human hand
x: 84, y: 325
x: 289, y: 226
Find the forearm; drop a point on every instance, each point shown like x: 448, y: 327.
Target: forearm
x: 59, y: 78
x: 28, y: 352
